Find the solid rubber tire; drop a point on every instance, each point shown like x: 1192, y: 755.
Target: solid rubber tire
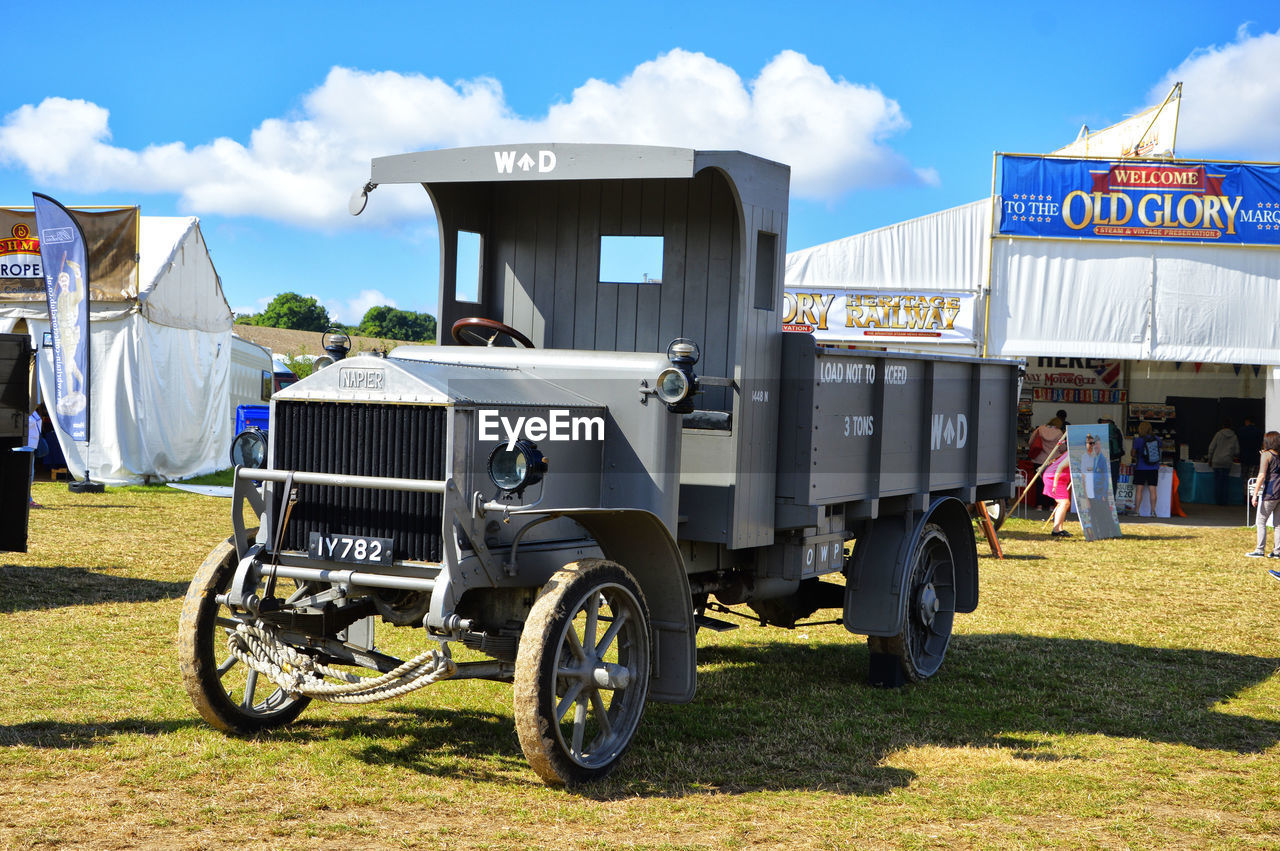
x: 537, y: 660
x: 916, y: 669
x: 197, y: 632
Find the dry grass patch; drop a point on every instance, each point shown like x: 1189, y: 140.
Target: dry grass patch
x: 1119, y: 694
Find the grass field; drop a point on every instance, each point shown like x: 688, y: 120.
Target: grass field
x: 1117, y: 694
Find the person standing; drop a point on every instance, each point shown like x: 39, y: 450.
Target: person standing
x: 1057, y: 485
x: 1266, y: 495
x: 1040, y: 446
x: 1223, y: 450
x: 1043, y: 440
x: 1146, y: 467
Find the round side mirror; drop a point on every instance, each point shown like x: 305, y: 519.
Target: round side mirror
x: 356, y: 204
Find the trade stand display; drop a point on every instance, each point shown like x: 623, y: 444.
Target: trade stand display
x: 1195, y: 483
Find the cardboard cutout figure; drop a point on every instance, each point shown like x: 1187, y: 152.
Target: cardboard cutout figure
x: 1092, y: 498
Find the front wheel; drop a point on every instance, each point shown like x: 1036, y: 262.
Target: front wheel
x: 931, y: 609
x: 226, y: 693
x: 582, y: 672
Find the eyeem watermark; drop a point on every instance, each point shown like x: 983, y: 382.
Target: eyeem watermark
x: 557, y: 426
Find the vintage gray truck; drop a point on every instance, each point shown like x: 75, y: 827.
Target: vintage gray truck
x: 616, y: 442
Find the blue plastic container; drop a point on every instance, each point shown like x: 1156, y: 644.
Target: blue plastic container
x: 252, y: 415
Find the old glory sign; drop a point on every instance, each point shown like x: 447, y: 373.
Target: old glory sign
x: 882, y: 317
x: 1178, y: 200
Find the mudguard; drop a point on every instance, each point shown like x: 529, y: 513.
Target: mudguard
x: 877, y: 577
x: 640, y: 542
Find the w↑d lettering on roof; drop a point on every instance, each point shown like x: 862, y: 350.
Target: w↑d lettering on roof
x: 507, y: 161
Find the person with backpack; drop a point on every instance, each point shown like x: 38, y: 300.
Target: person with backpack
x: 1146, y: 466
x: 1266, y: 495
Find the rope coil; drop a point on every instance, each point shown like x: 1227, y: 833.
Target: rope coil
x: 299, y: 674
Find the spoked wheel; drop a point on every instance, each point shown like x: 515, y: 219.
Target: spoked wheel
x: 582, y: 672
x: 224, y: 690
x: 931, y: 609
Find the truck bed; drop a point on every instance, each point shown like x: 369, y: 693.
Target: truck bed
x: 866, y: 425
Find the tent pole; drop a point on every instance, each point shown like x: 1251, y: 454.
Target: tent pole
x: 991, y: 243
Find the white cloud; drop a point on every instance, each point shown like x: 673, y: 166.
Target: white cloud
x: 1230, y: 102
x: 831, y: 132
x: 351, y: 311
x: 301, y: 169
x: 257, y: 307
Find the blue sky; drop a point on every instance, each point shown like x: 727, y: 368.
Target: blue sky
x: 261, y: 118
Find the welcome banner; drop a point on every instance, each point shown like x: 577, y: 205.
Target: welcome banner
x: 1184, y: 201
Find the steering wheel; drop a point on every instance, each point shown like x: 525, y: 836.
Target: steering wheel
x: 479, y: 331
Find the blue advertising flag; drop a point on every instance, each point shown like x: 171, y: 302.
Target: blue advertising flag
x: 66, y: 284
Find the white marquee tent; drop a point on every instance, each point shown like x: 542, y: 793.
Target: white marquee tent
x: 1128, y: 300
x: 160, y: 364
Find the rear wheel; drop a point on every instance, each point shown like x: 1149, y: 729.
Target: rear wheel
x: 997, y: 510
x: 931, y: 608
x: 582, y: 672
x: 224, y: 690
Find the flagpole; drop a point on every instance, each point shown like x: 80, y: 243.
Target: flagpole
x: 1138, y: 145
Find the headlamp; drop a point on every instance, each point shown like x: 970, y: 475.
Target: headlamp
x: 515, y: 469
x: 249, y: 449
x: 673, y: 386
x: 677, y: 383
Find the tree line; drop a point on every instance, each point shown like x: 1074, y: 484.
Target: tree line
x: 304, y: 313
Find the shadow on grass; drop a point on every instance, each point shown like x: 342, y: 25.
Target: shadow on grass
x: 1037, y: 536
x: 794, y: 717
x: 28, y: 588
x: 1014, y: 556
x: 463, y: 743
x: 62, y: 734
x: 787, y: 716
x: 80, y: 507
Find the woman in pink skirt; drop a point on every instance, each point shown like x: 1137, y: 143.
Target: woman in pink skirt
x: 1057, y: 484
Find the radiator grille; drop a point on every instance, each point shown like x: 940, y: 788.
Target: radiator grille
x: 399, y: 441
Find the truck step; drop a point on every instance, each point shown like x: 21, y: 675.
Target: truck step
x: 714, y: 624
